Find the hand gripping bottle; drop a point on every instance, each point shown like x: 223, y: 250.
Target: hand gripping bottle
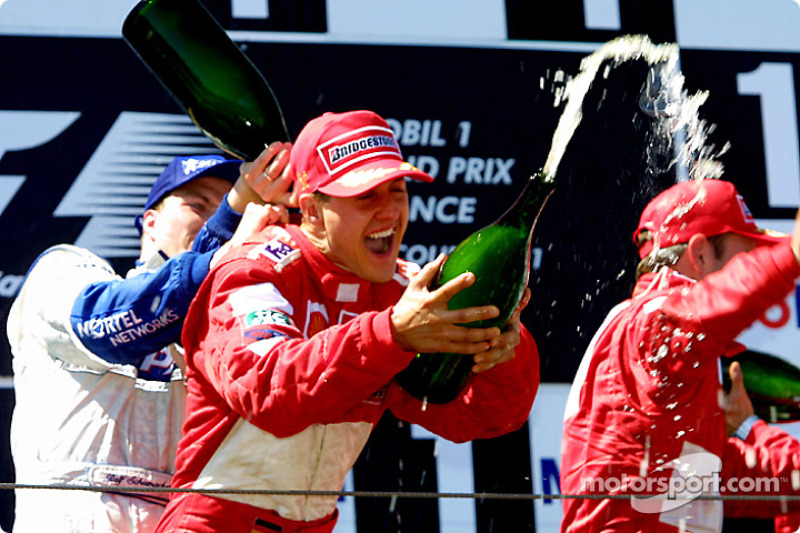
x: 207, y: 74
x: 499, y: 256
x: 772, y: 383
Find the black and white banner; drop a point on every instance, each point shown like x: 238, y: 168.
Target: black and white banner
x: 468, y: 86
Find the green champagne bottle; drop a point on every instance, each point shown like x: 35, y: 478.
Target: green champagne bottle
x: 499, y: 256
x: 772, y: 383
x: 207, y: 74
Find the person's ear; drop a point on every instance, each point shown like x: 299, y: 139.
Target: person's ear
x: 148, y: 222
x: 310, y: 208
x: 700, y: 257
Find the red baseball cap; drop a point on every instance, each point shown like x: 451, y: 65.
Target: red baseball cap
x: 347, y: 154
x: 650, y: 220
x: 707, y: 206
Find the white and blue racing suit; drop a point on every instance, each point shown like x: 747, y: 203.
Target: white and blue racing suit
x: 99, y: 396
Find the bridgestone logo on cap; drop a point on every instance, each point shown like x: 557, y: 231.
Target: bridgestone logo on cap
x: 358, y: 146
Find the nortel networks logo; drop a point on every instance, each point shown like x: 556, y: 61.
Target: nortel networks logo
x: 679, y: 482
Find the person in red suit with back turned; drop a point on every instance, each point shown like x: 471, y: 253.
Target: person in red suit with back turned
x: 293, y: 341
x: 646, y: 407
x: 748, y: 437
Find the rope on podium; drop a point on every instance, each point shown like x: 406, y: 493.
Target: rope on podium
x: 399, y: 494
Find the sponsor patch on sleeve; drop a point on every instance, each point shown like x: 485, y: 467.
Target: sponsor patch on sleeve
x: 267, y: 316
x: 258, y: 297
x: 277, y: 250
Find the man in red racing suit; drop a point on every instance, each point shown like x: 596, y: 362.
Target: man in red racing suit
x: 644, y: 414
x: 292, y: 348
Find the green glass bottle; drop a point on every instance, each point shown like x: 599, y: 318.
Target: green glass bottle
x: 499, y: 256
x: 207, y: 74
x: 772, y: 383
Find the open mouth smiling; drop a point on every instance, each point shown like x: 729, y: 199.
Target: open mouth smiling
x: 380, y: 242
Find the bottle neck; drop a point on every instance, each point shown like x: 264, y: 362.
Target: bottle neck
x: 526, y: 209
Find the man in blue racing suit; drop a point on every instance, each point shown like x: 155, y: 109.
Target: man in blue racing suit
x: 97, y: 371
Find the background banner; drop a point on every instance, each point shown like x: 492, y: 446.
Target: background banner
x: 470, y: 88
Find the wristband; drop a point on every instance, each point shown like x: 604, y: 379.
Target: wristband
x: 744, y: 429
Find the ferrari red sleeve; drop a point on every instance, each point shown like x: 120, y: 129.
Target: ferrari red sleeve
x: 690, y: 327
x: 728, y: 301
x: 495, y: 403
x: 769, y: 460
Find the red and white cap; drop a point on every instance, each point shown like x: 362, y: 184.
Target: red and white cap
x: 707, y: 206
x: 347, y: 154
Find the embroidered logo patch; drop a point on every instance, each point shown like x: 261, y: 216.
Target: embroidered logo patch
x: 358, y: 146
x: 277, y: 250
x: 267, y: 316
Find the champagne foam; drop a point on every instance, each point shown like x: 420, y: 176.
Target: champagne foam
x: 678, y: 128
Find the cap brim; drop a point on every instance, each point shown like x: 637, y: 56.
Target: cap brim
x: 645, y: 249
x: 227, y: 170
x: 765, y: 236
x: 367, y: 177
